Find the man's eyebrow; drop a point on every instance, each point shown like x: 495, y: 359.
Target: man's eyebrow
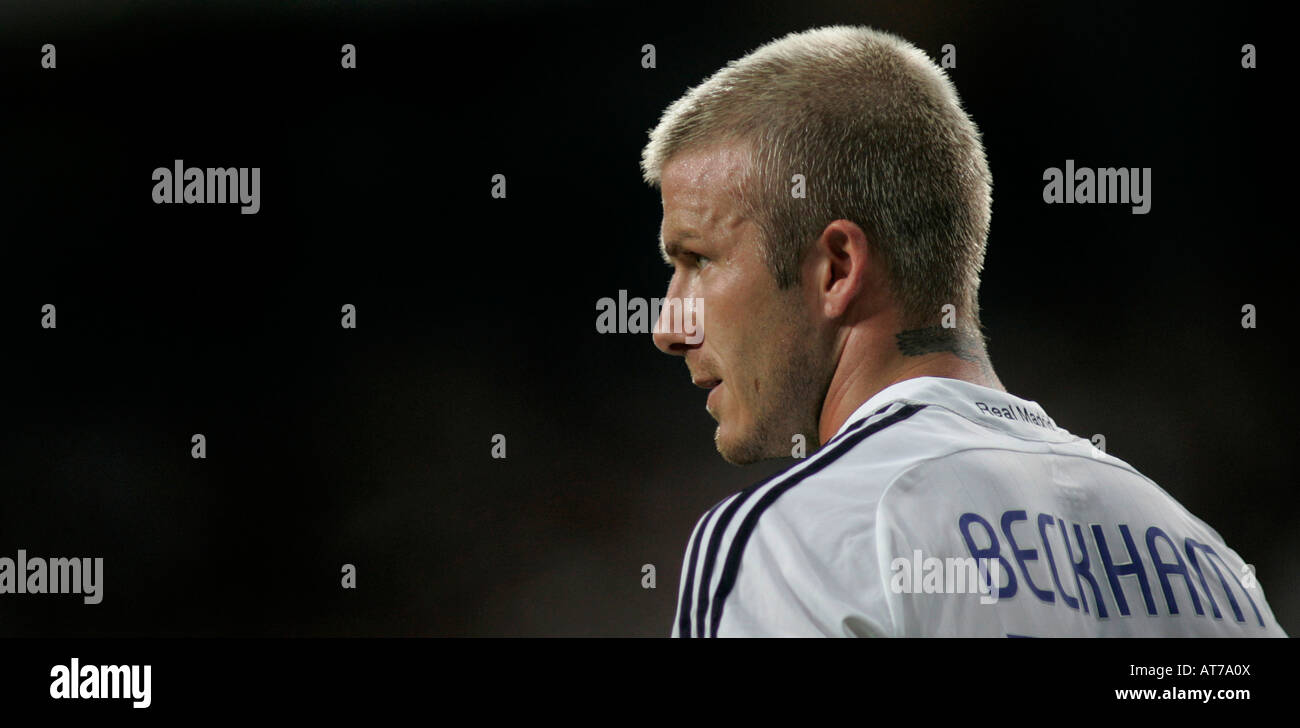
x: 672, y: 248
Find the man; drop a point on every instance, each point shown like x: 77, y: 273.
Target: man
x: 829, y: 200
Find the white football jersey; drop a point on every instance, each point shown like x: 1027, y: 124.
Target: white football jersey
x: 943, y: 508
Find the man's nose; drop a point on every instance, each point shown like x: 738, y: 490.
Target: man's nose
x: 670, y: 332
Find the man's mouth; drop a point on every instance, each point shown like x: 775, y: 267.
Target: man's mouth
x: 714, y: 386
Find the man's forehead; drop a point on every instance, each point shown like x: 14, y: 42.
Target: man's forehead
x: 710, y: 168
x: 696, y: 186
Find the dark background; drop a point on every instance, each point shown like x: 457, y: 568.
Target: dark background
x: 476, y: 316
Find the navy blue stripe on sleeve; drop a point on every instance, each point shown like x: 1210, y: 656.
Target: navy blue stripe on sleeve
x: 684, y: 607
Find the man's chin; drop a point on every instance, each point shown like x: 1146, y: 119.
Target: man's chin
x: 739, y: 452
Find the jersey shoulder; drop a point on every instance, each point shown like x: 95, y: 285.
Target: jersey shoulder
x: 770, y: 559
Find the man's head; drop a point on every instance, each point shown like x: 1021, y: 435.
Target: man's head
x: 889, y: 222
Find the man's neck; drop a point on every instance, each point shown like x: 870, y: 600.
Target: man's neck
x: 869, y: 365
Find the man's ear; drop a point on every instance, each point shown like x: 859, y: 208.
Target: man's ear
x: 842, y: 269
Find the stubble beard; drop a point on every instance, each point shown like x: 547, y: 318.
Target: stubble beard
x: 792, y: 408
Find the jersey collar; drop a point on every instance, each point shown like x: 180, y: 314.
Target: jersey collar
x: 990, y: 407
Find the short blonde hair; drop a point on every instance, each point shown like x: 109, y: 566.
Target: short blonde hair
x: 879, y: 134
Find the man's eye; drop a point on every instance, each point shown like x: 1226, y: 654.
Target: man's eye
x: 700, y: 260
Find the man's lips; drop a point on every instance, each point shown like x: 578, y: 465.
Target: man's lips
x: 713, y: 385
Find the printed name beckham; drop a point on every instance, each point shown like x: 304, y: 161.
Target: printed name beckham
x: 1096, y: 565
x: 217, y: 185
